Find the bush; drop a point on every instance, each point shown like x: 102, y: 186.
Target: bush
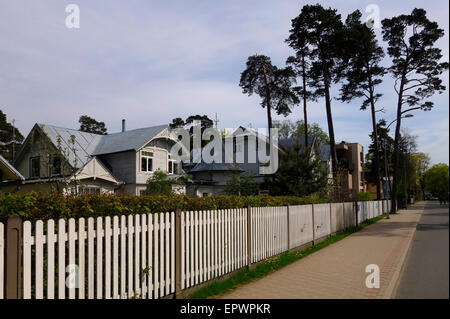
x: 364, y: 196
x: 34, y: 206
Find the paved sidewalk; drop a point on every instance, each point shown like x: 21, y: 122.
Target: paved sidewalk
x: 338, y: 271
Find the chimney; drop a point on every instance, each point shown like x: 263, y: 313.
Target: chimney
x: 123, y: 125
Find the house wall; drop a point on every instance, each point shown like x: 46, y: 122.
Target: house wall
x: 36, y: 148
x: 122, y: 165
x: 160, y: 148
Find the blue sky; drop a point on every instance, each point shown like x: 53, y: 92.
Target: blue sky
x: 151, y: 61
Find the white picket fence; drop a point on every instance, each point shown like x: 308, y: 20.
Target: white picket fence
x: 117, y: 257
x: 213, y: 243
x: 134, y: 256
x: 2, y: 260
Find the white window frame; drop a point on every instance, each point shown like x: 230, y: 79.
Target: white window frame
x: 147, y: 155
x: 171, y: 164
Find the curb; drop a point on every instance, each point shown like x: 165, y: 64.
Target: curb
x: 391, y: 290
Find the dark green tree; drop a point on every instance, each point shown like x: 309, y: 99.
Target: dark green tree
x: 272, y: 84
x: 370, y: 170
x: 362, y: 73
x: 90, y: 125
x: 241, y: 184
x: 299, y: 174
x: 10, y: 138
x: 321, y: 30
x: 177, y: 122
x: 159, y: 183
x: 416, y: 68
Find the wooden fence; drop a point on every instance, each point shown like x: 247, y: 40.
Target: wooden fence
x: 159, y: 255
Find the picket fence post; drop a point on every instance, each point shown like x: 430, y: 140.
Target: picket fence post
x: 313, y: 228
x: 288, y: 230
x: 178, y: 252
x: 249, y: 236
x: 13, y: 255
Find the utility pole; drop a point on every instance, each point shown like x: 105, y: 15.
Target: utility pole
x: 216, y: 120
x: 13, y: 140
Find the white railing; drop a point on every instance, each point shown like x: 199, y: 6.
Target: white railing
x: 136, y: 255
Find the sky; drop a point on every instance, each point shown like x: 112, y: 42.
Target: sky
x: 151, y: 61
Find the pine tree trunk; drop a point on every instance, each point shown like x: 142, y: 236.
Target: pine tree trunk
x: 330, y: 121
x: 375, y: 134
x: 396, y: 144
x: 269, y: 116
x: 304, y: 100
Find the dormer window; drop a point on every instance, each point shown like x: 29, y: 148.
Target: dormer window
x: 146, y: 161
x: 54, y: 167
x: 35, y: 165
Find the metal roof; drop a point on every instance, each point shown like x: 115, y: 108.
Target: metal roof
x: 77, y: 153
x: 12, y: 170
x: 128, y: 140
x: 87, y: 145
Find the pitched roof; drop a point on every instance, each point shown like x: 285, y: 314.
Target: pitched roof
x: 86, y: 145
x: 128, y: 140
x: 285, y: 143
x: 79, y: 152
x: 9, y: 172
x: 203, y: 167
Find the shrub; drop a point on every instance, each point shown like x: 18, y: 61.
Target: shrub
x: 364, y: 196
x: 33, y: 206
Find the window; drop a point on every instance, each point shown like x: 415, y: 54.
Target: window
x: 54, y: 167
x: 172, y: 166
x: 35, y: 167
x: 146, y: 161
x: 90, y: 190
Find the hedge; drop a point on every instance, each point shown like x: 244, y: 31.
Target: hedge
x: 34, y: 206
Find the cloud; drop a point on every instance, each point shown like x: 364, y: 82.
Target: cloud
x: 151, y: 61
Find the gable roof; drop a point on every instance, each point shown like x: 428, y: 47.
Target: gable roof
x: 285, y: 143
x: 128, y: 140
x: 79, y: 152
x: 87, y: 145
x: 95, y: 169
x: 9, y: 172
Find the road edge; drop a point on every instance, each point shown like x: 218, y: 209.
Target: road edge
x: 391, y: 290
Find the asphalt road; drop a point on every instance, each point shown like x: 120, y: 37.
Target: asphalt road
x: 425, y: 274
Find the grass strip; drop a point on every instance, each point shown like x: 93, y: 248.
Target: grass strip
x: 270, y: 265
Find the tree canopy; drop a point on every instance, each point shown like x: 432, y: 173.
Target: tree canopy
x: 274, y: 85
x: 288, y: 128
x: 90, y: 125
x: 437, y: 179
x: 10, y: 138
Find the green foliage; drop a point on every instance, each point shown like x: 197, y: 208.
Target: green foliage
x: 90, y: 125
x: 300, y: 174
x: 437, y: 179
x: 288, y: 128
x: 364, y: 196
x: 272, y: 84
x: 34, y: 206
x: 159, y: 183
x: 241, y: 184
